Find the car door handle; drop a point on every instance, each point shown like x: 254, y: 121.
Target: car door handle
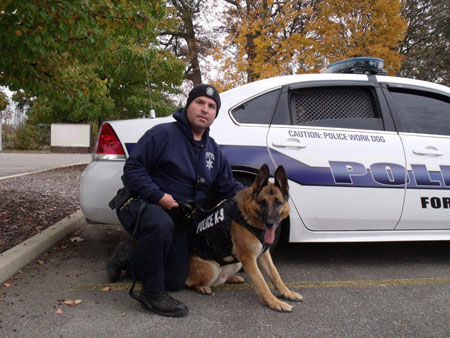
x: 427, y: 151
x: 288, y: 144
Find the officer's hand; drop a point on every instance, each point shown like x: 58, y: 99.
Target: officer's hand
x: 167, y: 202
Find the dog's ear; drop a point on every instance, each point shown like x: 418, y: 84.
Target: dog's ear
x: 281, y: 181
x: 262, y: 178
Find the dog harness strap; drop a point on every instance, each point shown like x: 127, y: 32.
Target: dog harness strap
x: 257, y: 232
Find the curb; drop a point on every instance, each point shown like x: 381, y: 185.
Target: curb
x: 22, y: 254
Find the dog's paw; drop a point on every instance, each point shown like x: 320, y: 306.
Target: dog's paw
x: 294, y: 296
x: 235, y: 279
x: 280, y: 306
x: 204, y: 290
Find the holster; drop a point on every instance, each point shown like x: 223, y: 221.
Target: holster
x: 123, y: 196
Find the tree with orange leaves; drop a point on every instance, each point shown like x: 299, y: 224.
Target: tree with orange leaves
x: 268, y: 38
x: 264, y: 38
x: 344, y: 29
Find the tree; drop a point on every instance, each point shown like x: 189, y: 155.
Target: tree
x: 426, y: 46
x: 75, y: 59
x: 344, y: 29
x: 194, y: 38
x: 268, y: 38
x: 264, y: 38
x: 183, y: 39
x: 3, y: 101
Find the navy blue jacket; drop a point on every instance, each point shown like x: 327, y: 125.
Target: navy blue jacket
x: 167, y: 159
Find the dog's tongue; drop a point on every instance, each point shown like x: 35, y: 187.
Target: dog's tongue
x: 269, y: 235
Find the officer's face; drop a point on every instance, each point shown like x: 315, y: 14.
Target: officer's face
x: 201, y: 113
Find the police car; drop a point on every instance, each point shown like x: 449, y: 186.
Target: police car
x: 367, y: 155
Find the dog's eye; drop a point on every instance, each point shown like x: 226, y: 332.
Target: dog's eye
x: 262, y: 203
x: 277, y: 202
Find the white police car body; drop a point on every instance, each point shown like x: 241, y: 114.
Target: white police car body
x: 367, y: 156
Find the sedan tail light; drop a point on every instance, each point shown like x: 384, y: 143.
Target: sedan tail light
x: 108, y: 146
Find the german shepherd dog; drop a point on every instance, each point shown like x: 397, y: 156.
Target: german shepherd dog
x: 263, y: 206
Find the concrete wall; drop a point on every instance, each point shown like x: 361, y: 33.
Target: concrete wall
x: 70, y: 138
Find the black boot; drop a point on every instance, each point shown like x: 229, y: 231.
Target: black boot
x: 162, y: 304
x: 118, y: 262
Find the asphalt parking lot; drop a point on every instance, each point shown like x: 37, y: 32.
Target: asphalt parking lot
x: 349, y: 290
x: 20, y: 163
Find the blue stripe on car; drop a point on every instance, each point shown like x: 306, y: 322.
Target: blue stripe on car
x: 301, y: 173
x: 297, y: 171
x: 418, y: 178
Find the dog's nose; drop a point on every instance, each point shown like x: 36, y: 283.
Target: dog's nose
x: 270, y: 223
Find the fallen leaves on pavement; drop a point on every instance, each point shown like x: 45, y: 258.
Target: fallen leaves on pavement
x: 73, y: 302
x: 77, y: 239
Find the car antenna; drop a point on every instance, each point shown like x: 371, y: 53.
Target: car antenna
x: 152, y: 111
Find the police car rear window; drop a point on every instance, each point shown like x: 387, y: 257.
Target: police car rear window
x: 258, y: 110
x: 314, y: 106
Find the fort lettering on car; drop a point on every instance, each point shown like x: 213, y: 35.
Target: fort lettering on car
x: 435, y: 202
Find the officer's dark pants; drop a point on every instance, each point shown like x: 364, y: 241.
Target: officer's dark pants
x: 162, y: 253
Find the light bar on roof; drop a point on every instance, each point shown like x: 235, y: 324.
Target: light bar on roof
x: 357, y: 65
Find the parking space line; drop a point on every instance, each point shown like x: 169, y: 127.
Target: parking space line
x: 294, y: 285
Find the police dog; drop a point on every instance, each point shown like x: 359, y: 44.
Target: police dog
x: 263, y: 206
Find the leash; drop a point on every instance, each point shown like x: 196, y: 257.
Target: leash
x: 189, y: 209
x: 139, y: 216
x: 133, y: 294
x: 136, y: 226
x: 187, y: 205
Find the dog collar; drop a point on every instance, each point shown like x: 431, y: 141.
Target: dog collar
x: 239, y: 219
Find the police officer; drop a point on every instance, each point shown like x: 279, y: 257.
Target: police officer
x: 175, y: 161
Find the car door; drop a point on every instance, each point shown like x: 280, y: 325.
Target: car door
x: 343, y: 157
x: 423, y: 117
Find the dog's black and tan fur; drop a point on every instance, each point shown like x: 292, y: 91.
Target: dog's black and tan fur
x: 263, y: 205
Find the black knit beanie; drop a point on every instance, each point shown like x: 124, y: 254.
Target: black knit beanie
x: 204, y: 90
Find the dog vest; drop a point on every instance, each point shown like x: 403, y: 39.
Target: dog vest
x: 210, y: 238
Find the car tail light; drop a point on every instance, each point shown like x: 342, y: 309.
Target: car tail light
x: 108, y: 146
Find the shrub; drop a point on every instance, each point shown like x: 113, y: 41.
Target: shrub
x: 30, y: 137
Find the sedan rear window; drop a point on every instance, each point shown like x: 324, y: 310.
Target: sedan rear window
x: 346, y: 106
